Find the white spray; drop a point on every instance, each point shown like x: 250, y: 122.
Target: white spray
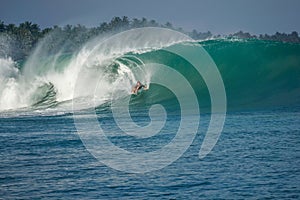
x: 86, y: 66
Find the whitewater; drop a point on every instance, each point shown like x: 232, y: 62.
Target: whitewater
x: 47, y: 79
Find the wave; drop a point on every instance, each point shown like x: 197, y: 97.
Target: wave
x: 256, y: 73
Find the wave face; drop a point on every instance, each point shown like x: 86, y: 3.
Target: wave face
x: 257, y: 74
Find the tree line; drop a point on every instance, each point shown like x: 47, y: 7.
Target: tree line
x: 293, y: 37
x: 25, y: 36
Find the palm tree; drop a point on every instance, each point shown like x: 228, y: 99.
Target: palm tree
x: 2, y: 26
x: 11, y: 28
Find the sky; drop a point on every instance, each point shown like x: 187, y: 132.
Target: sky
x: 217, y: 16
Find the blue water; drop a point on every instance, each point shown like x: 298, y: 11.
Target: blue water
x: 257, y: 156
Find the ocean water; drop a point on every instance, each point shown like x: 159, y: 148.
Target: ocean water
x: 220, y: 119
x: 257, y: 156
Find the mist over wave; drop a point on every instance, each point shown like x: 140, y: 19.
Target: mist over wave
x: 48, y: 77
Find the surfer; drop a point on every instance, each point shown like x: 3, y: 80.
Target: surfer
x: 137, y: 87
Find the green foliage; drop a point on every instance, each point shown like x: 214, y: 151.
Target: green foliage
x: 283, y: 37
x: 25, y: 37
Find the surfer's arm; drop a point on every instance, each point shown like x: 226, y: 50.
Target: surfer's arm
x: 145, y: 87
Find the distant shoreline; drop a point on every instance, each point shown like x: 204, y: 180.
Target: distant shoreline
x: 25, y: 36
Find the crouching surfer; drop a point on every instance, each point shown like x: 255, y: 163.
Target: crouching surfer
x: 138, y: 87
